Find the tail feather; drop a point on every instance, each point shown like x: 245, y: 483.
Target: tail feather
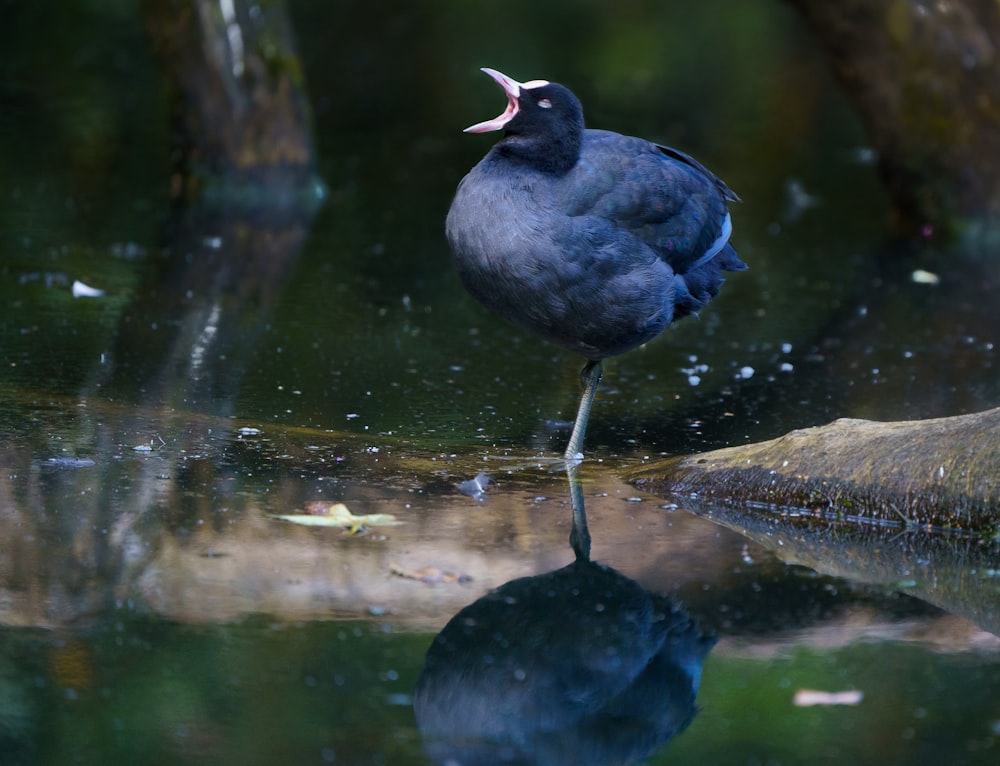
x: 728, y: 260
x: 695, y: 289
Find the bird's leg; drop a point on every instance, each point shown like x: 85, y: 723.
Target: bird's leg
x: 579, y: 536
x: 591, y: 378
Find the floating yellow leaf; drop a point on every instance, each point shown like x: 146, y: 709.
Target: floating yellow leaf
x: 338, y: 515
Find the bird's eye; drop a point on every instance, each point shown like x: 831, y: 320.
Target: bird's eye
x: 545, y: 103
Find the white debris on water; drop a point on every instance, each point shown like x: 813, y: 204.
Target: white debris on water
x: 81, y: 290
x: 695, y: 371
x: 922, y: 277
x: 476, y: 487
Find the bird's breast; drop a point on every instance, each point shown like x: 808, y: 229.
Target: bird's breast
x: 579, y: 282
x: 493, y: 220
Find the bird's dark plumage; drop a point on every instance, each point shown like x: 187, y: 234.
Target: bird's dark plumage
x: 593, y: 240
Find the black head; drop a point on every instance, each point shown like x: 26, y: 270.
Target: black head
x: 542, y: 124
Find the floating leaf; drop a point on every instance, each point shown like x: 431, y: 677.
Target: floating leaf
x: 338, y: 515
x: 324, y: 507
x: 476, y: 488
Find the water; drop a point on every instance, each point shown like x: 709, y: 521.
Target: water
x: 153, y: 610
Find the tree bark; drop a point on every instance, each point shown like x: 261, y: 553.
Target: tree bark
x: 238, y: 106
x: 925, y: 79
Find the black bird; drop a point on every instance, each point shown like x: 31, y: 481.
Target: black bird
x: 593, y: 240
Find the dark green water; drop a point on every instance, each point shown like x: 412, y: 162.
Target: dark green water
x: 151, y: 610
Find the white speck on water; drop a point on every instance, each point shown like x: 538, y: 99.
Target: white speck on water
x: 863, y: 155
x: 695, y: 372
x: 922, y: 277
x: 862, y: 311
x: 81, y: 290
x: 746, y: 372
x: 786, y: 367
x: 907, y: 354
x: 786, y: 348
x: 213, y: 243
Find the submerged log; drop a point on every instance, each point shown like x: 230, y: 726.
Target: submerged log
x: 929, y: 474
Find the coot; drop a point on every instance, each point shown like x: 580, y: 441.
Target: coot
x: 590, y: 239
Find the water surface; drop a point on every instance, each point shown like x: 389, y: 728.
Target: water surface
x: 239, y: 367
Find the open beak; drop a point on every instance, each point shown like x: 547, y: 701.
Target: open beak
x: 513, y: 90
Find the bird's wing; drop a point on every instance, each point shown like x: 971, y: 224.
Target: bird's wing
x: 687, y: 159
x: 663, y: 197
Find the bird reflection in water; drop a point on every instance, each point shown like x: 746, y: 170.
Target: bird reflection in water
x: 581, y: 665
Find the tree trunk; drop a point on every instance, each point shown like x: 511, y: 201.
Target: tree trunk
x: 925, y: 78
x: 241, y: 120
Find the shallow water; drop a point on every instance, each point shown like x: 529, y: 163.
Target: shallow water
x: 153, y: 609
